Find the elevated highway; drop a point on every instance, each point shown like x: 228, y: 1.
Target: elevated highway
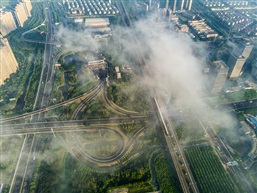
x: 25, y: 165
x: 40, y: 127
x: 42, y: 110
x: 185, y: 175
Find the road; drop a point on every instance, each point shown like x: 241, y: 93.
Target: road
x: 184, y: 173
x: 40, y: 107
x: 85, y: 102
x: 239, y: 105
x: 42, y: 110
x: 26, y: 166
x: 32, y: 128
x: 83, y: 156
x: 115, y: 108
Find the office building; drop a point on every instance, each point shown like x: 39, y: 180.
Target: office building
x: 247, y: 50
x: 243, y: 48
x: 220, y: 75
x: 8, y: 63
x: 235, y: 64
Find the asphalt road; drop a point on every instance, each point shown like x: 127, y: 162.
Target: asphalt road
x: 186, y: 178
x: 238, y: 105
x: 41, y: 110
x: 25, y: 167
x: 31, y: 128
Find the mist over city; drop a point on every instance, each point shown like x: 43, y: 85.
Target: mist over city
x: 128, y: 96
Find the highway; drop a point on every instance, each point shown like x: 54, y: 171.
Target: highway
x: 245, y: 104
x: 17, y: 165
x: 42, y: 110
x: 26, y: 166
x: 85, y: 102
x: 103, y: 161
x: 115, y: 108
x: 184, y: 173
x: 39, y: 127
x: 233, y: 106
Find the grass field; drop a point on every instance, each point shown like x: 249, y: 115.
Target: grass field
x: 208, y: 171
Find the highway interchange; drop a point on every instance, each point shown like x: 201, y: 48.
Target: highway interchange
x: 26, y: 164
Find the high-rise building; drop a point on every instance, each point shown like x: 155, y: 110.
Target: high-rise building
x: 184, y: 4
x: 174, y: 5
x: 27, y: 6
x: 235, y: 64
x: 247, y: 50
x: 167, y: 4
x: 181, y: 6
x: 189, y: 5
x: 22, y: 12
x: 8, y: 63
x: 7, y: 23
x: 220, y: 73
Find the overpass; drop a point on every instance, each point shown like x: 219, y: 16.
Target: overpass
x: 184, y: 173
x: 44, y: 127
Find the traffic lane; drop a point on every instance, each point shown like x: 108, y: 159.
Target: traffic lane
x: 238, y: 105
x: 41, y: 125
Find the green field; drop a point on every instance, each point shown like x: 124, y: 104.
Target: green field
x: 208, y: 171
